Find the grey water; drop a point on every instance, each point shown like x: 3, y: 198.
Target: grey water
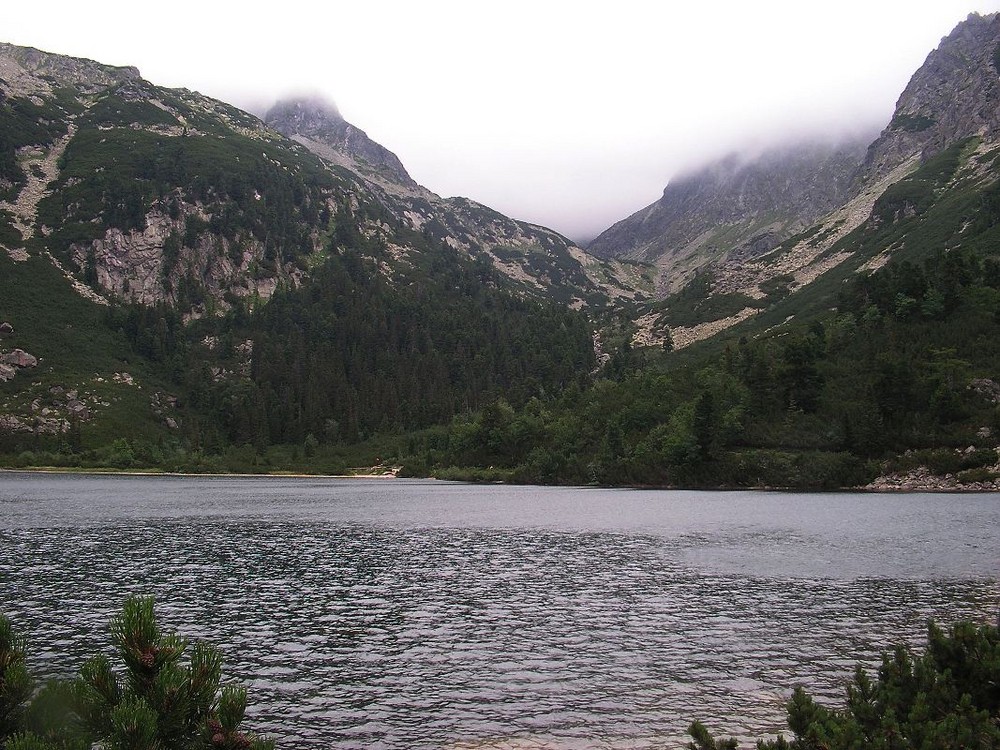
x: 422, y: 614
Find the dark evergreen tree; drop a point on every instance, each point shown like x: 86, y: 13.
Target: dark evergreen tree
x: 15, y: 683
x: 166, y: 697
x: 944, y: 699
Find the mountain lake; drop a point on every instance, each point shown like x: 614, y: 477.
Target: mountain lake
x: 389, y: 613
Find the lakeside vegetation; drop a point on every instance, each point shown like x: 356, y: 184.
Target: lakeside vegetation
x: 946, y: 698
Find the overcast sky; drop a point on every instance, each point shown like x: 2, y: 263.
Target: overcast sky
x: 570, y: 114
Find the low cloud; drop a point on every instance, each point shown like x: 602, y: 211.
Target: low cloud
x: 568, y: 115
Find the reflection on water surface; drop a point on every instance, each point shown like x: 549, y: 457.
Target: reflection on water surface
x: 420, y: 614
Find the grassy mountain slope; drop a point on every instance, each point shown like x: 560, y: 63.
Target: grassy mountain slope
x: 889, y: 364
x: 188, y: 281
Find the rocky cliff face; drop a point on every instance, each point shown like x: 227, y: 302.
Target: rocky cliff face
x: 318, y: 125
x: 25, y: 70
x: 107, y: 176
x: 735, y: 208
x: 955, y: 94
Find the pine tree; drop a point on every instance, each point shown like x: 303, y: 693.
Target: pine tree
x: 167, y: 697
x: 946, y: 699
x: 15, y: 683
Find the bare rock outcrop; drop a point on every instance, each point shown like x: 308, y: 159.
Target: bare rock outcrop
x: 19, y: 358
x: 136, y: 265
x: 987, y: 388
x: 922, y: 480
x: 13, y: 362
x: 313, y: 121
x: 953, y: 95
x: 739, y: 207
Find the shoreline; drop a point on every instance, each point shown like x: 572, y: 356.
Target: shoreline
x: 910, y: 483
x: 215, y: 475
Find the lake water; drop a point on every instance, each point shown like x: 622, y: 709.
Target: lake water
x: 421, y: 614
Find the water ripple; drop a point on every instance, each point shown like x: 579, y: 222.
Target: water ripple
x: 361, y: 634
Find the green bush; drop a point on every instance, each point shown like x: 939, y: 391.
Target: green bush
x: 911, y: 123
x: 947, y: 698
x: 167, y: 697
x: 15, y: 684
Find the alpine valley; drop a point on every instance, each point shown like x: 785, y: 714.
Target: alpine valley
x: 185, y: 286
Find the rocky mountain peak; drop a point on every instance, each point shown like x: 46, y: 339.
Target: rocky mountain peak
x: 308, y: 115
x: 955, y: 94
x: 28, y: 71
x: 317, y: 124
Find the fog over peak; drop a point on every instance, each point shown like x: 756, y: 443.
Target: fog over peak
x: 566, y: 115
x: 777, y: 146
x: 309, y: 104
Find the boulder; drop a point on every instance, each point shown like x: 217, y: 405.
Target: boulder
x: 78, y: 409
x: 19, y: 358
x: 7, y: 372
x: 6, y: 330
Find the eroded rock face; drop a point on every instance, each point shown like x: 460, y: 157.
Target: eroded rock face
x: 134, y: 265
x: 31, y: 71
x: 317, y: 119
x: 19, y: 358
x: 955, y: 94
x: 738, y: 206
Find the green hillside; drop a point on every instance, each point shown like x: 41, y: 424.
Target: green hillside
x: 202, y: 293
x: 856, y: 374
x: 186, y: 288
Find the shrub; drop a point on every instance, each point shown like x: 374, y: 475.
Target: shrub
x: 167, y: 697
x: 948, y: 697
x: 15, y: 684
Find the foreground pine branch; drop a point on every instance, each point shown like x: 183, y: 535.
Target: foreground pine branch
x: 947, y: 698
x: 166, y: 697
